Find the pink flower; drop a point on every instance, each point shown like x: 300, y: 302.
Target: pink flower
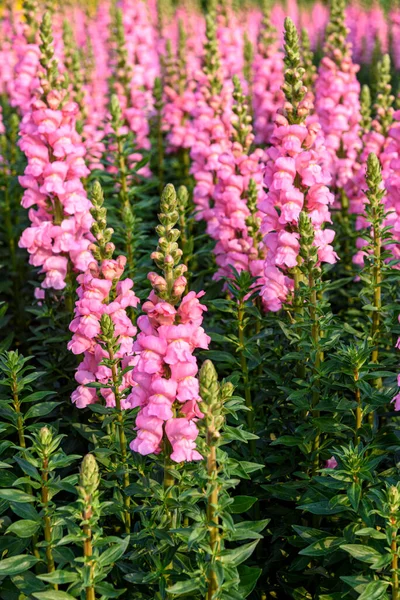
x: 182, y: 435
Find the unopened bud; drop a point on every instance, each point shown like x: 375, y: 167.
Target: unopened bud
x: 89, y: 474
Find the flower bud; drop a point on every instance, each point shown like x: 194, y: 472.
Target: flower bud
x: 89, y: 475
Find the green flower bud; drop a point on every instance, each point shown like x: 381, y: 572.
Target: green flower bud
x: 365, y: 109
x: 107, y: 327
x: 89, y: 478
x: 45, y: 436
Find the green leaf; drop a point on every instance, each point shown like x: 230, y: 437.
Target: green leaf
x: 371, y: 532
x: 59, y: 577
x: 364, y: 553
x: 15, y: 495
x: 41, y: 410
x: 322, y: 508
x: 36, y: 396
x: 322, y: 547
x: 114, y: 553
x: 53, y: 595
x: 374, y: 590
x: 17, y: 564
x: 354, y: 494
x: 24, y: 528
x: 108, y: 591
x: 288, y: 440
x: 184, y: 587
x: 25, y: 511
x: 28, y: 583
x: 248, y: 579
x: 233, y: 558
x: 241, y: 504
x: 247, y: 530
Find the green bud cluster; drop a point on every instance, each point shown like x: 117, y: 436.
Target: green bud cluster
x: 212, y: 64
x: 308, y: 251
x: 383, y: 106
x: 181, y: 59
x: 168, y: 254
x: 242, y: 121
x: 45, y: 444
x: 169, y: 65
x: 104, y: 248
x: 293, y: 86
x: 365, y: 110
x: 308, y: 60
x: 30, y: 9
x: 267, y: 35
x: 183, y: 200
x: 123, y: 68
x: 213, y: 395
x: 158, y: 95
x: 336, y: 46
x: 253, y: 222
x: 248, y: 55
x: 375, y: 208
x: 89, y: 478
x: 47, y: 60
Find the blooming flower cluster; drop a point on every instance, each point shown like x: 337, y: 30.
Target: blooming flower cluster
x: 211, y: 124
x: 267, y: 81
x: 337, y: 102
x: 296, y: 179
x: 238, y: 176
x: 59, y: 209
x: 102, y: 292
x: 166, y: 387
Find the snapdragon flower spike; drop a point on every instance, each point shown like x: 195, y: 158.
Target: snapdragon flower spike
x: 133, y: 86
x: 267, y: 84
x: 374, y: 140
x: 102, y: 330
x: 22, y: 86
x: 59, y: 209
x: 179, y: 97
x: 296, y: 180
x: 166, y: 387
x: 239, y: 179
x: 211, y: 123
x: 337, y: 92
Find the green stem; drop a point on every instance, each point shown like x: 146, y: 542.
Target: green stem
x: 395, y: 573
x: 377, y: 303
x: 47, y: 519
x: 315, y: 334
x: 125, y: 206
x: 22, y: 443
x: 122, y: 441
x: 245, y: 370
x: 160, y: 152
x: 212, y: 517
x: 358, y: 409
x: 88, y: 552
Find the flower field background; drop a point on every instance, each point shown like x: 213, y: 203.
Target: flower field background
x: 199, y: 314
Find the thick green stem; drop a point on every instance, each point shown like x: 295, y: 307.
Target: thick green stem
x: 20, y: 420
x: 212, y: 517
x: 88, y: 552
x: 160, y: 153
x: 47, y: 520
x: 245, y: 370
x: 358, y: 408
x: 377, y: 303
x: 316, y: 336
x: 122, y: 441
x: 346, y: 229
x: 125, y: 206
x: 395, y: 565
